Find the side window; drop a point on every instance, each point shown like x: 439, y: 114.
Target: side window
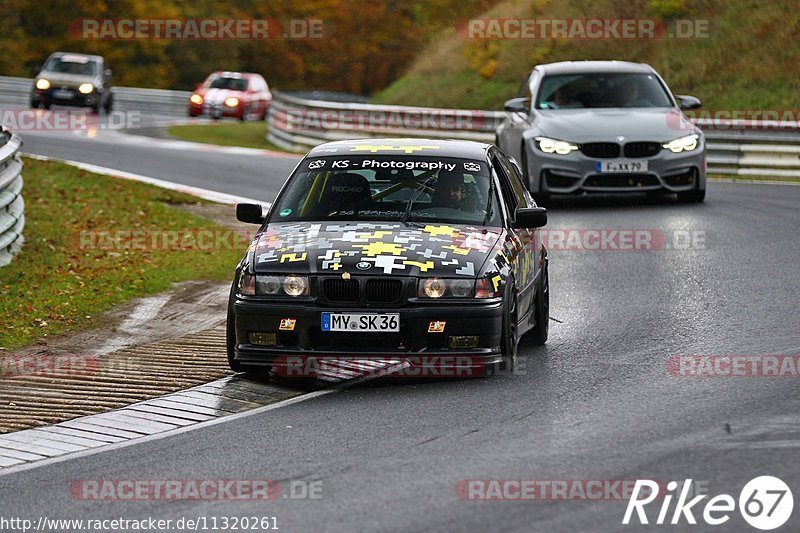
x: 509, y: 198
x: 515, y: 179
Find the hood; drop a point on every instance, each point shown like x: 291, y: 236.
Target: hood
x: 218, y: 96
x: 59, y: 79
x: 378, y: 249
x: 606, y: 124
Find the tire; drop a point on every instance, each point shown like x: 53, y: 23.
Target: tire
x: 245, y: 114
x: 508, y: 339
x: 230, y: 337
x: 692, y: 197
x: 109, y: 104
x: 541, y: 314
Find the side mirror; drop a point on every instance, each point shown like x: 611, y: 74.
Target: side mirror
x: 688, y: 102
x: 250, y: 213
x: 517, y: 105
x: 36, y: 70
x: 530, y: 217
x: 107, y: 73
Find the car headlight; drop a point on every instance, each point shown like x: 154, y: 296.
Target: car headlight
x: 682, y: 144
x: 232, y: 102
x: 85, y: 88
x: 196, y: 99
x: 554, y: 146
x: 434, y: 288
x: 42, y: 84
x: 294, y: 286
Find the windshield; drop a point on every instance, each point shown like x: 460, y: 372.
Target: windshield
x: 388, y: 188
x: 79, y: 65
x: 602, y: 90
x: 232, y: 84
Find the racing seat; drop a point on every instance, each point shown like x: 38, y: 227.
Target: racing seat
x: 343, y: 192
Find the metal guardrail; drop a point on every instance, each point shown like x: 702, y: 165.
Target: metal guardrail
x: 753, y: 148
x: 298, y: 124
x: 12, y: 206
x: 16, y: 92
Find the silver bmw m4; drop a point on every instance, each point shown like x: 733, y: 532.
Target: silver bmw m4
x: 604, y: 126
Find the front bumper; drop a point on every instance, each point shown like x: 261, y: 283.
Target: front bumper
x: 576, y: 173
x: 221, y: 110
x: 413, y: 344
x: 61, y: 96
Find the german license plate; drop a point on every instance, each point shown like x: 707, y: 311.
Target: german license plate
x: 63, y: 94
x: 361, y: 322
x: 622, y: 166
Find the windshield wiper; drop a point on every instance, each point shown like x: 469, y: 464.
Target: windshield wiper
x: 417, y: 193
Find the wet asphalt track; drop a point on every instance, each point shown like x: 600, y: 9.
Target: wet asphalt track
x: 597, y: 402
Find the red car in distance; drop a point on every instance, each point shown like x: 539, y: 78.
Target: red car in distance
x: 242, y: 95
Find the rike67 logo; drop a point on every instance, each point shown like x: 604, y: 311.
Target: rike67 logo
x: 765, y: 503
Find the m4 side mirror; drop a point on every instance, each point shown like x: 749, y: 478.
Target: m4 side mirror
x: 688, y: 102
x: 517, y: 105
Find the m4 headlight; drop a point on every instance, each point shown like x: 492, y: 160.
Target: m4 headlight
x: 555, y: 146
x: 686, y: 143
x: 436, y: 288
x: 86, y: 88
x: 42, y: 84
x: 293, y: 286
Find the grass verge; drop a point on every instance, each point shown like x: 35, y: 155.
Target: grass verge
x: 740, y: 60
x: 66, y: 276
x: 243, y: 134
